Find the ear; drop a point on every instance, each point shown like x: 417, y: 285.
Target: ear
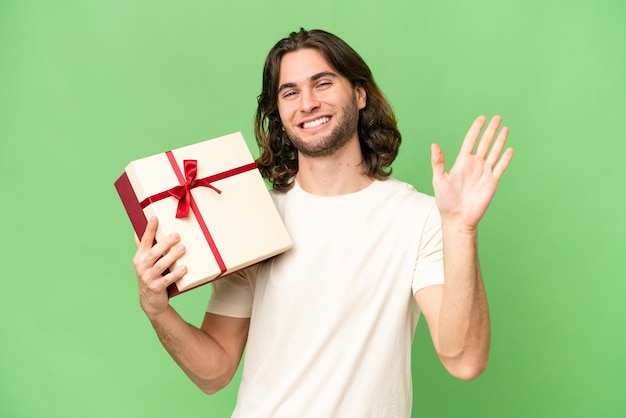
x: 361, y: 97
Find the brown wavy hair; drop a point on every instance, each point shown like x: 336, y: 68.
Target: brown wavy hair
x: 377, y: 129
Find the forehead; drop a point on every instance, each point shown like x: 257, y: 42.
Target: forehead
x: 299, y: 66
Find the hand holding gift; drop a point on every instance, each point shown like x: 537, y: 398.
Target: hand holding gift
x: 151, y: 262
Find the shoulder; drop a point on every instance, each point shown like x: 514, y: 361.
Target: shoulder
x: 280, y: 198
x: 394, y: 188
x: 417, y: 210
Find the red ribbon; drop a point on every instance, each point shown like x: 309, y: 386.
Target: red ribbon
x: 182, y: 192
x: 186, y: 201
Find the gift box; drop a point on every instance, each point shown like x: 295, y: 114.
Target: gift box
x: 211, y: 194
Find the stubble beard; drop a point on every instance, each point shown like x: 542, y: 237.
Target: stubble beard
x: 333, y: 142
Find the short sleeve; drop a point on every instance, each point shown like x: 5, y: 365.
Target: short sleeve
x: 232, y: 295
x: 429, y: 264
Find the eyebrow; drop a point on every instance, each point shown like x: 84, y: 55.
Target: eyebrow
x: 314, y: 77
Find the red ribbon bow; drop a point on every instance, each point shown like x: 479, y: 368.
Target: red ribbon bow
x: 182, y: 192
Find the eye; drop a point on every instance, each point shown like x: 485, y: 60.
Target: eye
x: 289, y: 94
x: 324, y: 84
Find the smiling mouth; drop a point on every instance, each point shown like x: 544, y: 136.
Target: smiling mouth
x: 315, y: 123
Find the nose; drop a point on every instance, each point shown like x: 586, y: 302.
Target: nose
x: 308, y: 102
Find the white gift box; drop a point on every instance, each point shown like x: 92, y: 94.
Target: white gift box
x: 231, y: 221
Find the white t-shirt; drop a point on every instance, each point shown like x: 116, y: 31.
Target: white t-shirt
x: 332, y: 319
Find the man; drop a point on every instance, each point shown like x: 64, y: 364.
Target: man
x: 328, y: 325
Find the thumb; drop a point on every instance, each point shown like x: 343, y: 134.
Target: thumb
x: 437, y: 161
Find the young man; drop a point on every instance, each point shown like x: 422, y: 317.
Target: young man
x: 328, y: 325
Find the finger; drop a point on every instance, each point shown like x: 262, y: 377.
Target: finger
x: 144, y: 260
x: 147, y: 239
x: 154, y: 273
x: 162, y: 282
x: 487, y: 138
x: 168, y: 260
x: 498, y: 146
x: 500, y: 168
x: 137, y: 242
x: 472, y: 135
x: 161, y: 248
x: 437, y: 161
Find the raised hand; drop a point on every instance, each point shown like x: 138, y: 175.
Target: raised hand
x: 150, y: 262
x: 464, y: 193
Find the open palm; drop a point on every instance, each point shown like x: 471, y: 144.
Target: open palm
x: 464, y: 193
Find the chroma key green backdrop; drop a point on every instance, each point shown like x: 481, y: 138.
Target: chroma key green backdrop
x: 87, y: 86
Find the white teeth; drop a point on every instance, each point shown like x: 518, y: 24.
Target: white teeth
x: 316, y: 122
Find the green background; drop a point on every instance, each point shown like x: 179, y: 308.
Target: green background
x: 87, y: 86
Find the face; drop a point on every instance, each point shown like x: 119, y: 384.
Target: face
x: 319, y: 108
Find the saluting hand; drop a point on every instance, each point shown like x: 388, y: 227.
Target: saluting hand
x: 464, y: 193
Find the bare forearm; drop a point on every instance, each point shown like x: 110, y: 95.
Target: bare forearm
x: 464, y: 328
x: 210, y: 355
x: 200, y: 356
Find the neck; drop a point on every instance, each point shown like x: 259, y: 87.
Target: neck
x: 336, y: 174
